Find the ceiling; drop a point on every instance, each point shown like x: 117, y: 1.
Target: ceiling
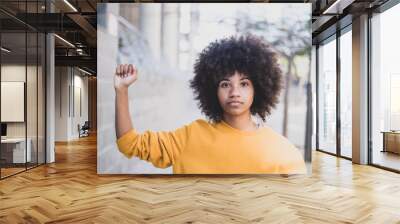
x: 326, y: 14
x: 72, y: 20
x: 75, y: 21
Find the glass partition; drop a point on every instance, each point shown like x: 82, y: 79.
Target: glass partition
x: 22, y: 77
x: 13, y: 94
x: 41, y: 88
x: 31, y: 98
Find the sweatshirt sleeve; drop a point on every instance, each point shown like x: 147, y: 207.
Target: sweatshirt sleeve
x: 159, y: 148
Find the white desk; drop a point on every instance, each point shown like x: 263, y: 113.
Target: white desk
x: 19, y: 149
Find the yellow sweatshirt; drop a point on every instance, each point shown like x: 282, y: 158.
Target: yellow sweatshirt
x: 215, y: 148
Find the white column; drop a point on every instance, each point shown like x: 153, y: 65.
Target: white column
x: 50, y: 99
x: 106, y: 64
x: 130, y: 11
x: 378, y: 81
x: 194, y: 31
x: 314, y: 96
x: 150, y: 26
x: 170, y: 33
x: 360, y: 90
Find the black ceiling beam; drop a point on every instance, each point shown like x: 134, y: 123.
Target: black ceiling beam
x: 88, y: 51
x: 18, y: 22
x: 81, y: 61
x: 8, y: 24
x: 49, y: 22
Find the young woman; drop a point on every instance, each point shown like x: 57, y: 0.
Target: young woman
x: 235, y: 78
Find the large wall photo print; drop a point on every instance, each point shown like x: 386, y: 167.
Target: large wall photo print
x: 204, y: 88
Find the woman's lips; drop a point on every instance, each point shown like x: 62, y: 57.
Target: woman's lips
x: 235, y: 103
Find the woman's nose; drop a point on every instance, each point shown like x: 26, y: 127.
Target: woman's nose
x: 234, y: 91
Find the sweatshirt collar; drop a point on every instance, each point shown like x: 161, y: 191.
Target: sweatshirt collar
x: 226, y: 127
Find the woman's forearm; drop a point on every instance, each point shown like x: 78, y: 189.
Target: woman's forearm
x: 124, y: 76
x: 122, y: 116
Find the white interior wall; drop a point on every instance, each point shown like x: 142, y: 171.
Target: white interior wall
x: 16, y: 73
x: 69, y: 82
x: 61, y: 103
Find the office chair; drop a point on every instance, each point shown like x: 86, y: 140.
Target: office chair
x: 84, y: 130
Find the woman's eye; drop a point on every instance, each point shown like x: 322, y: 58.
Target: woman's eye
x: 244, y: 83
x: 224, y: 85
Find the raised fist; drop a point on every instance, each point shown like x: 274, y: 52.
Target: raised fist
x: 124, y: 76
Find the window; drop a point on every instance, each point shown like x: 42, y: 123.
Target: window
x: 346, y: 93
x: 385, y: 89
x: 327, y: 96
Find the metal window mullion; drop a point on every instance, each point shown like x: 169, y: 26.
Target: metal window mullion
x: 72, y: 92
x: 369, y: 89
x: 0, y: 93
x: 26, y: 86
x: 317, y: 95
x: 45, y: 94
x: 37, y: 91
x: 338, y: 97
x: 69, y: 92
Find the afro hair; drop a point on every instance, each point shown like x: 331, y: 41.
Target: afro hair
x: 248, y: 55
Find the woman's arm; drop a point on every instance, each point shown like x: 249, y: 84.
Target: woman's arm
x: 124, y: 76
x: 159, y: 148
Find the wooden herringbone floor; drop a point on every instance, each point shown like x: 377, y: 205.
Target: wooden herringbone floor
x: 70, y: 191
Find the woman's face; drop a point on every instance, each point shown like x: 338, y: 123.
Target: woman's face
x: 235, y: 94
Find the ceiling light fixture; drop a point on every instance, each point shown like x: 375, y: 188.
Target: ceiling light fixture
x: 86, y: 72
x: 5, y: 50
x: 70, y: 5
x: 65, y: 41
